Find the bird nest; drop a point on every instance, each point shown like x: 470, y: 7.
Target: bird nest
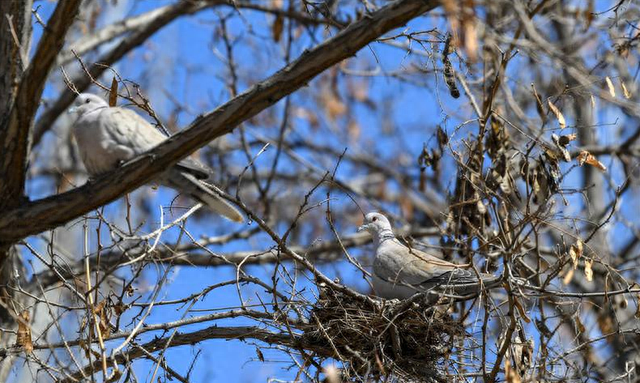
x: 406, y: 340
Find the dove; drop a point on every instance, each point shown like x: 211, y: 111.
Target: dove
x: 400, y: 272
x: 108, y: 136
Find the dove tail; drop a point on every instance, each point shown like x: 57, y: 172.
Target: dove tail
x: 218, y: 204
x: 204, y: 192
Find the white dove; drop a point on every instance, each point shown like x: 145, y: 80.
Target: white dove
x: 400, y: 271
x: 108, y: 136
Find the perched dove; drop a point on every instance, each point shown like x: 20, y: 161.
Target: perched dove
x: 108, y: 136
x: 400, y: 271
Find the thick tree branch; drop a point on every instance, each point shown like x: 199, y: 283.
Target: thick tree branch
x: 141, y: 34
x: 191, y: 255
x: 213, y: 332
x: 15, y: 137
x: 50, y: 212
x: 143, y: 21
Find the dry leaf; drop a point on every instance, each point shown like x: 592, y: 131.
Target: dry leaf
x: 443, y: 138
x: 575, y: 252
x: 625, y: 91
x: 23, y: 339
x: 510, y: 374
x: 103, y: 314
x: 333, y: 106
x: 523, y: 313
x: 93, y: 18
x: 406, y: 206
x: 588, y: 271
x: 113, y: 92
x: 260, y: 355
x: 539, y: 106
x: 554, y: 109
x: 568, y: 276
x: 470, y: 39
x: 561, y: 148
x: 482, y: 209
x: 590, y: 159
x: 638, y: 306
x: 353, y: 131
x: 593, y: 102
x: 588, y: 14
x: 276, y: 28
x: 574, y: 256
x: 612, y: 90
x: 605, y: 322
x: 579, y: 325
x: 450, y: 78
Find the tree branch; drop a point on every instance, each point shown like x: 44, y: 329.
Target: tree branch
x: 141, y: 34
x: 15, y: 136
x: 50, y: 212
x: 213, y: 332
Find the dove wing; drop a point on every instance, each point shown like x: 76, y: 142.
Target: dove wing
x: 132, y: 135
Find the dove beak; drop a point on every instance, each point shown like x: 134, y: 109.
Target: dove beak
x: 73, y: 109
x: 363, y: 228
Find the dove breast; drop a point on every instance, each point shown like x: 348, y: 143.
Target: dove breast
x: 108, y: 136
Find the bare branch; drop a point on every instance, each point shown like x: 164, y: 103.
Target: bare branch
x: 52, y: 211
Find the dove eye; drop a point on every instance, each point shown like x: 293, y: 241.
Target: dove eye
x: 88, y: 101
x: 375, y: 219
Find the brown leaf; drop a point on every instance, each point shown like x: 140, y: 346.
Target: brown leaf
x: 590, y: 159
x: 561, y: 148
x: 510, y: 374
x: 471, y: 39
x: 482, y: 209
x: 277, y: 27
x: 568, y: 276
x: 113, y: 92
x: 588, y: 271
x: 260, y: 355
x: 93, y: 17
x: 539, y: 107
x: 575, y: 252
x: 353, y: 131
x: 103, y: 314
x: 612, y: 90
x: 605, y: 323
x: 625, y: 91
x: 333, y: 106
x: 406, y: 206
x: 579, y: 325
x: 305, y: 114
x: 443, y: 138
x: 23, y: 339
x: 554, y: 109
x: 523, y: 313
x: 588, y: 14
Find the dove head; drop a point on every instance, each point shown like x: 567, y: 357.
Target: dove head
x: 87, y: 102
x: 377, y: 225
